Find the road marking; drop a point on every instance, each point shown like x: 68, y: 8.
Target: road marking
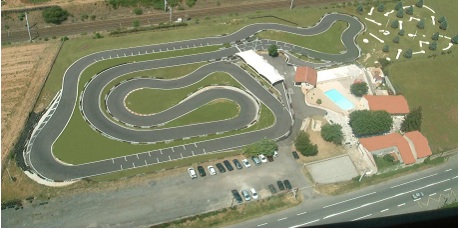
x: 413, y: 180
x: 149, y: 154
x: 454, y: 177
x: 417, y: 199
x: 170, y: 159
x: 113, y: 160
x: 447, y: 189
x: 259, y: 225
x: 146, y: 162
x: 161, y: 151
x: 400, y: 205
x: 181, y: 155
x: 282, y: 219
x: 204, y: 150
x: 349, y: 199
x: 305, y: 223
x: 172, y: 148
x: 192, y: 153
x: 361, y: 217
x: 133, y: 164
x: 157, y: 159
x: 137, y: 156
x: 403, y: 193
x: 184, y: 147
x: 387, y: 209
x: 433, y: 194
x: 448, y: 170
x: 125, y: 158
x: 301, y: 213
x: 121, y: 167
x: 195, y: 145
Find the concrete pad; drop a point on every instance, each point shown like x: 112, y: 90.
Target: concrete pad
x: 332, y: 170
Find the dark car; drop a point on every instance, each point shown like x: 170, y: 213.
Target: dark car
x: 287, y: 184
x: 237, y: 164
x: 272, y: 189
x: 256, y: 160
x: 281, y: 185
x: 201, y: 171
x: 270, y: 158
x: 228, y: 165
x: 237, y: 196
x: 295, y: 155
x: 220, y: 168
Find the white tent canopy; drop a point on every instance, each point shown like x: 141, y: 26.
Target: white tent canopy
x: 261, y: 66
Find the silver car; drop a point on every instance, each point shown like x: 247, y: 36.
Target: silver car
x: 212, y: 170
x: 246, y: 195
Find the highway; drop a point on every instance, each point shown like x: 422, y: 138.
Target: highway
x: 392, y: 197
x: 39, y: 154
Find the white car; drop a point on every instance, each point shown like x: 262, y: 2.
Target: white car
x: 263, y: 158
x: 254, y: 194
x: 192, y: 173
x: 276, y: 154
x: 246, y: 163
x: 212, y: 170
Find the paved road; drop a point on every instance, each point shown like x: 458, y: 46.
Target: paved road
x: 393, y: 197
x: 40, y: 156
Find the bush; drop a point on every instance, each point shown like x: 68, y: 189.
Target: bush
x: 396, y: 39
x: 64, y: 38
x: 365, y: 122
x: 389, y: 158
x: 454, y: 40
x: 272, y: 51
x: 138, y: 11
x: 435, y: 36
x: 304, y: 146
x: 408, y: 54
x: 433, y: 45
x: 409, y: 10
x: 398, y: 6
x: 190, y: 3
x: 441, y: 19
x: 84, y: 17
x: 444, y: 25
x: 385, y: 48
x: 400, y: 13
x: 359, y: 8
x: 332, y: 133
x: 98, y: 36
x: 381, y: 7
x: 136, y: 23
x: 401, y: 32
x: 412, y: 121
x: 420, y: 3
x: 319, y: 101
x: 93, y: 17
x: 359, y: 89
x: 420, y: 24
x: 264, y: 146
x: 394, y: 24
x: 55, y: 15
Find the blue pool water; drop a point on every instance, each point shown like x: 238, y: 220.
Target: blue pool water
x: 339, y: 99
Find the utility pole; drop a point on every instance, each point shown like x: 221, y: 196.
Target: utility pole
x: 28, y: 28
x: 165, y: 5
x: 291, y: 4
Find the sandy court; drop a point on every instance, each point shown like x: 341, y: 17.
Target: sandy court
x: 24, y: 69
x: 337, y: 169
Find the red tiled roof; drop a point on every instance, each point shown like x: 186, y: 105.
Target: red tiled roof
x: 420, y: 143
x: 306, y: 74
x: 394, y: 104
x: 386, y: 141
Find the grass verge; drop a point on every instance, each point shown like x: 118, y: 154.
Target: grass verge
x: 236, y: 214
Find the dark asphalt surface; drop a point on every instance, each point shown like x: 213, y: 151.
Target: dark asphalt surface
x: 41, y: 157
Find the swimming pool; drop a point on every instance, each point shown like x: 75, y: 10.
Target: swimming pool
x: 339, y: 99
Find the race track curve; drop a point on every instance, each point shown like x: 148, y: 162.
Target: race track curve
x: 39, y: 156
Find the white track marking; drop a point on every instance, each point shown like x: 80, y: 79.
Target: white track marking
x: 398, y: 53
x: 361, y: 217
x: 377, y: 38
x: 414, y: 180
x: 349, y: 199
x: 305, y: 223
x: 433, y: 19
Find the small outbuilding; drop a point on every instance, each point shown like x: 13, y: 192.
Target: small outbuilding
x: 306, y: 76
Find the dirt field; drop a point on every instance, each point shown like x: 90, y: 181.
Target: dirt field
x: 24, y: 69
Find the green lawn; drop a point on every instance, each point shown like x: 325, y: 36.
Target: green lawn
x: 150, y: 101
x: 328, y: 42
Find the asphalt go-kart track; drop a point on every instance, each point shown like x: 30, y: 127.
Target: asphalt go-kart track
x: 137, y: 129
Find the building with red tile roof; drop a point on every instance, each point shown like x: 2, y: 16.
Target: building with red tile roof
x: 394, y: 104
x: 390, y: 143
x: 421, y: 144
x: 305, y: 74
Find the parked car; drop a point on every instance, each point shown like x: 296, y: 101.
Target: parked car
x: 254, y: 194
x: 295, y: 155
x: 246, y: 163
x: 220, y: 168
x: 201, y: 171
x: 276, y: 154
x: 272, y: 189
x: 263, y: 158
x: 418, y: 195
x: 228, y: 165
x: 256, y: 160
x: 237, y: 164
x: 246, y: 195
x: 212, y: 170
x: 192, y: 173
x: 287, y: 184
x: 236, y: 196
x: 281, y: 185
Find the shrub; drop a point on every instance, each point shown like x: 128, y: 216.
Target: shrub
x: 55, y: 15
x: 444, y: 25
x: 409, y: 10
x: 380, y: 7
x: 138, y: 11
x: 366, y: 122
x: 319, y: 101
x: 420, y: 24
x: 359, y: 89
x: 98, y: 36
x: 93, y: 17
x: 454, y: 40
x: 190, y: 3
x: 435, y: 36
x: 304, y: 146
x: 332, y: 133
x: 401, y: 32
x: 272, y: 51
x: 396, y: 39
x: 400, y: 13
x: 433, y: 45
x: 408, y: 54
x: 394, y: 24
x: 420, y: 3
x: 389, y: 158
x: 136, y: 23
x: 398, y: 6
x: 385, y: 48
x: 84, y: 17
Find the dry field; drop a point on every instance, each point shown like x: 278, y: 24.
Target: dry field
x: 24, y: 69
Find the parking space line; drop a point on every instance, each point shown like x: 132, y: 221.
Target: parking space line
x: 195, y: 144
x: 433, y: 194
x: 400, y: 205
x: 181, y: 155
x: 282, y: 219
x: 301, y: 213
x: 417, y: 199
x: 192, y: 153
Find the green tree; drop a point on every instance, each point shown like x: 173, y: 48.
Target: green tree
x: 398, y: 6
x: 381, y: 7
x: 359, y: 8
x: 55, y: 15
x: 385, y: 48
x: 136, y: 23
x: 366, y: 122
x: 319, y: 101
x: 304, y: 145
x: 408, y: 54
x: 359, y: 89
x: 441, y: 19
x: 433, y: 45
x: 138, y: 11
x: 272, y: 51
x: 420, y: 3
x: 394, y: 24
x: 401, y: 32
x: 444, y: 25
x: 190, y: 3
x: 454, y: 40
x: 389, y: 158
x: 396, y: 39
x: 435, y: 36
x: 412, y: 121
x: 264, y: 146
x: 409, y: 10
x: 332, y: 133
x: 421, y: 24
x: 400, y: 13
